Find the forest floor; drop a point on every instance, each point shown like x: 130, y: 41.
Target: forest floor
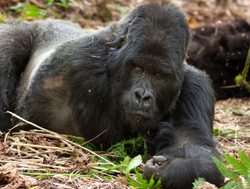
x: 44, y: 159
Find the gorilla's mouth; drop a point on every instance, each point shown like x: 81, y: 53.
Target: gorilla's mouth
x: 136, y: 112
x: 139, y: 116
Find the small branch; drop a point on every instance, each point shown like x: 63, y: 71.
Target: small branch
x: 241, y: 79
x: 247, y: 65
x: 246, y: 85
x: 60, y: 137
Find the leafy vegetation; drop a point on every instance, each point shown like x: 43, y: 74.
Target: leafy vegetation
x: 198, y: 183
x: 61, y: 3
x: 130, y: 147
x: 241, y: 79
x: 238, y: 173
x: 29, y: 11
x: 128, y: 166
x: 138, y: 182
x: 225, y: 133
x: 141, y: 183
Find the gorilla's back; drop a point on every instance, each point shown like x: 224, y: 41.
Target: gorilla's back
x: 47, y: 38
x: 54, y: 32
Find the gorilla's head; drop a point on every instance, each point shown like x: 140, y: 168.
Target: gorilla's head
x: 152, y: 89
x: 148, y: 66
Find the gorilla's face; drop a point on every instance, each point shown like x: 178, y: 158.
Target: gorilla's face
x: 139, y: 100
x: 152, y: 90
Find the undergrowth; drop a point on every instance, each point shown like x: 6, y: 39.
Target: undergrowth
x: 238, y: 171
x: 235, y: 170
x: 121, y: 154
x: 130, y: 147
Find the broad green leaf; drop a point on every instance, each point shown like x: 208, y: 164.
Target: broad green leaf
x: 223, y: 169
x: 158, y: 184
x: 140, y: 178
x: 135, y: 162
x: 133, y: 182
x: 248, y: 180
x: 151, y: 182
x: 238, y: 166
x: 124, y: 165
x: 232, y: 185
x: 245, y: 159
x: 141, y: 183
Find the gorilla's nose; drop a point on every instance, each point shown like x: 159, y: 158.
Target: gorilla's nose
x: 143, y: 97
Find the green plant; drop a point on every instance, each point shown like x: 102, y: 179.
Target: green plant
x: 198, y: 183
x: 2, y: 17
x: 29, y: 10
x: 62, y: 3
x: 129, y: 147
x: 125, y: 167
x: 129, y: 168
x: 138, y: 182
x: 241, y: 79
x: 128, y: 165
x: 238, y: 173
x: 226, y: 133
x: 123, y: 10
x: 141, y: 183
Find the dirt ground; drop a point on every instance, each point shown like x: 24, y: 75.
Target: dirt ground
x: 232, y: 117
x: 48, y: 153
x: 44, y: 159
x: 93, y: 14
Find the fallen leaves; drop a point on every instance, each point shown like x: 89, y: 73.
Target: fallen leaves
x: 12, y: 179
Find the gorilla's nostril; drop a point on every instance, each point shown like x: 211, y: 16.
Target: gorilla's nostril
x: 147, y: 98
x: 143, y: 97
x: 137, y: 95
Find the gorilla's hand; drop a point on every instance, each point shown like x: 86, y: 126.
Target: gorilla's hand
x: 155, y: 166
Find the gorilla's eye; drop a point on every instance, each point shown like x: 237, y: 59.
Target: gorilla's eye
x: 158, y: 75
x: 138, y: 69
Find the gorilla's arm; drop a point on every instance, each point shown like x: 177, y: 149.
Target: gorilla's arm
x: 19, y: 43
x: 184, y: 146
x: 15, y: 45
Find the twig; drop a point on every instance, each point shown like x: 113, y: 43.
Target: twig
x: 40, y: 146
x: 59, y: 137
x: 241, y: 79
x: 247, y: 65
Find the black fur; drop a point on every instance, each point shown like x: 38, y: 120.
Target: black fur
x: 125, y: 79
x: 221, y: 50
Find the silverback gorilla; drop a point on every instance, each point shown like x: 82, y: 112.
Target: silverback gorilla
x: 126, y: 79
